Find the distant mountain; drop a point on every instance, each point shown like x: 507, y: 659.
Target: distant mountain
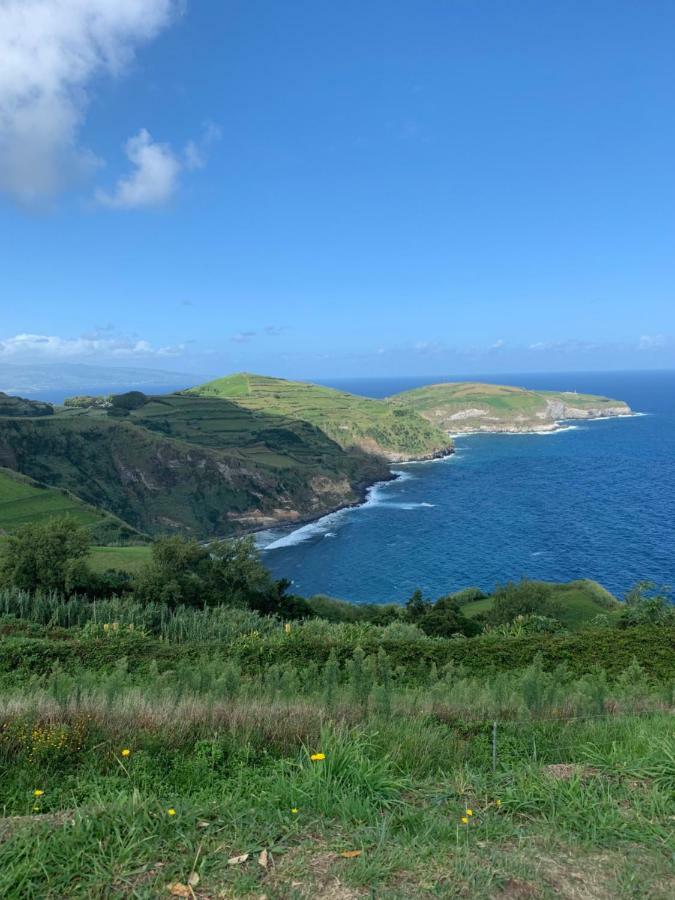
x: 56, y: 381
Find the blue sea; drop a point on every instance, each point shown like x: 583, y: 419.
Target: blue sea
x: 596, y: 500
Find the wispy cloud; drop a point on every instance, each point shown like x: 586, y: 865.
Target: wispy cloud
x: 51, y: 52
x: 652, y: 342
x: 243, y: 337
x: 43, y: 346
x: 570, y: 345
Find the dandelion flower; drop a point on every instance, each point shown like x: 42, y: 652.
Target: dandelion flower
x: 317, y: 757
x: 465, y: 821
x: 126, y: 751
x: 37, y: 792
x: 171, y: 811
x: 498, y: 803
x: 295, y: 810
x: 469, y: 812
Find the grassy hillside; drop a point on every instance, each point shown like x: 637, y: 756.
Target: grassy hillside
x: 468, y: 406
x: 578, y: 602
x: 23, y: 501
x: 352, y: 421
x: 205, y: 467
x: 17, y: 406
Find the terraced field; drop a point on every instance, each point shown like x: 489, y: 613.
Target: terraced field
x: 23, y: 501
x: 373, y: 425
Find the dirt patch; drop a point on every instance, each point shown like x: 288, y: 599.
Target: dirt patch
x: 10, y: 824
x: 567, y: 771
x: 580, y: 878
x: 515, y: 889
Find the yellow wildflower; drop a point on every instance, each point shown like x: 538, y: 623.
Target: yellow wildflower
x: 498, y: 803
x: 465, y: 821
x: 171, y: 811
x: 469, y: 812
x: 126, y: 751
x: 37, y: 792
x: 316, y: 757
x: 36, y: 809
x: 295, y: 810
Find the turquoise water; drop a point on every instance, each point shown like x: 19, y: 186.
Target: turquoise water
x: 594, y: 501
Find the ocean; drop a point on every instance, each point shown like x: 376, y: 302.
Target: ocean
x: 595, y: 500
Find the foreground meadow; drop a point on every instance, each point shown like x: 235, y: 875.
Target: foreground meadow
x: 138, y: 766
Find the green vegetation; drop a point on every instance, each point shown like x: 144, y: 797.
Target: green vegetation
x: 190, y: 465
x: 125, y: 559
x: 24, y: 501
x: 575, y: 604
x: 351, y: 421
x: 132, y: 766
x: 17, y: 406
x: 201, y: 733
x: 468, y: 406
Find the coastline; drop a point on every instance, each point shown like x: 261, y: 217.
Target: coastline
x: 283, y: 531
x: 366, y: 491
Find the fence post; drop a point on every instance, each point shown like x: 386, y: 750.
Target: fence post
x: 494, y: 746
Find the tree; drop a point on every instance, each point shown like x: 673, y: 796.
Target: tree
x: 49, y: 556
x: 445, y: 618
x: 229, y: 572
x: 416, y: 607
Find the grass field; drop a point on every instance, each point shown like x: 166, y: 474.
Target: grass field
x: 127, y: 559
x: 351, y: 421
x: 23, y: 501
x: 457, y: 406
x: 578, y: 602
x: 187, y: 775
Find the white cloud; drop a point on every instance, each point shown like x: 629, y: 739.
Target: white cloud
x: 43, y: 346
x: 651, y: 342
x: 243, y: 337
x: 51, y: 51
x: 498, y: 344
x: 153, y: 180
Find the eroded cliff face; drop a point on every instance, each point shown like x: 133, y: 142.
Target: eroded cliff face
x: 158, y: 484
x: 550, y: 417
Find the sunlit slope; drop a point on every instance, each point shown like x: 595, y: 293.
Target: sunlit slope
x: 577, y: 603
x: 471, y: 406
x: 24, y: 501
x: 375, y: 426
x: 201, y: 466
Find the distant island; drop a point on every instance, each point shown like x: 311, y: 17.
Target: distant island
x: 242, y: 452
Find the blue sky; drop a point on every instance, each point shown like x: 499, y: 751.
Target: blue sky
x: 317, y: 189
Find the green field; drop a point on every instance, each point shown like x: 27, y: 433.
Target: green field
x: 579, y: 602
x: 126, y: 559
x: 351, y: 421
x: 457, y: 406
x: 23, y: 501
